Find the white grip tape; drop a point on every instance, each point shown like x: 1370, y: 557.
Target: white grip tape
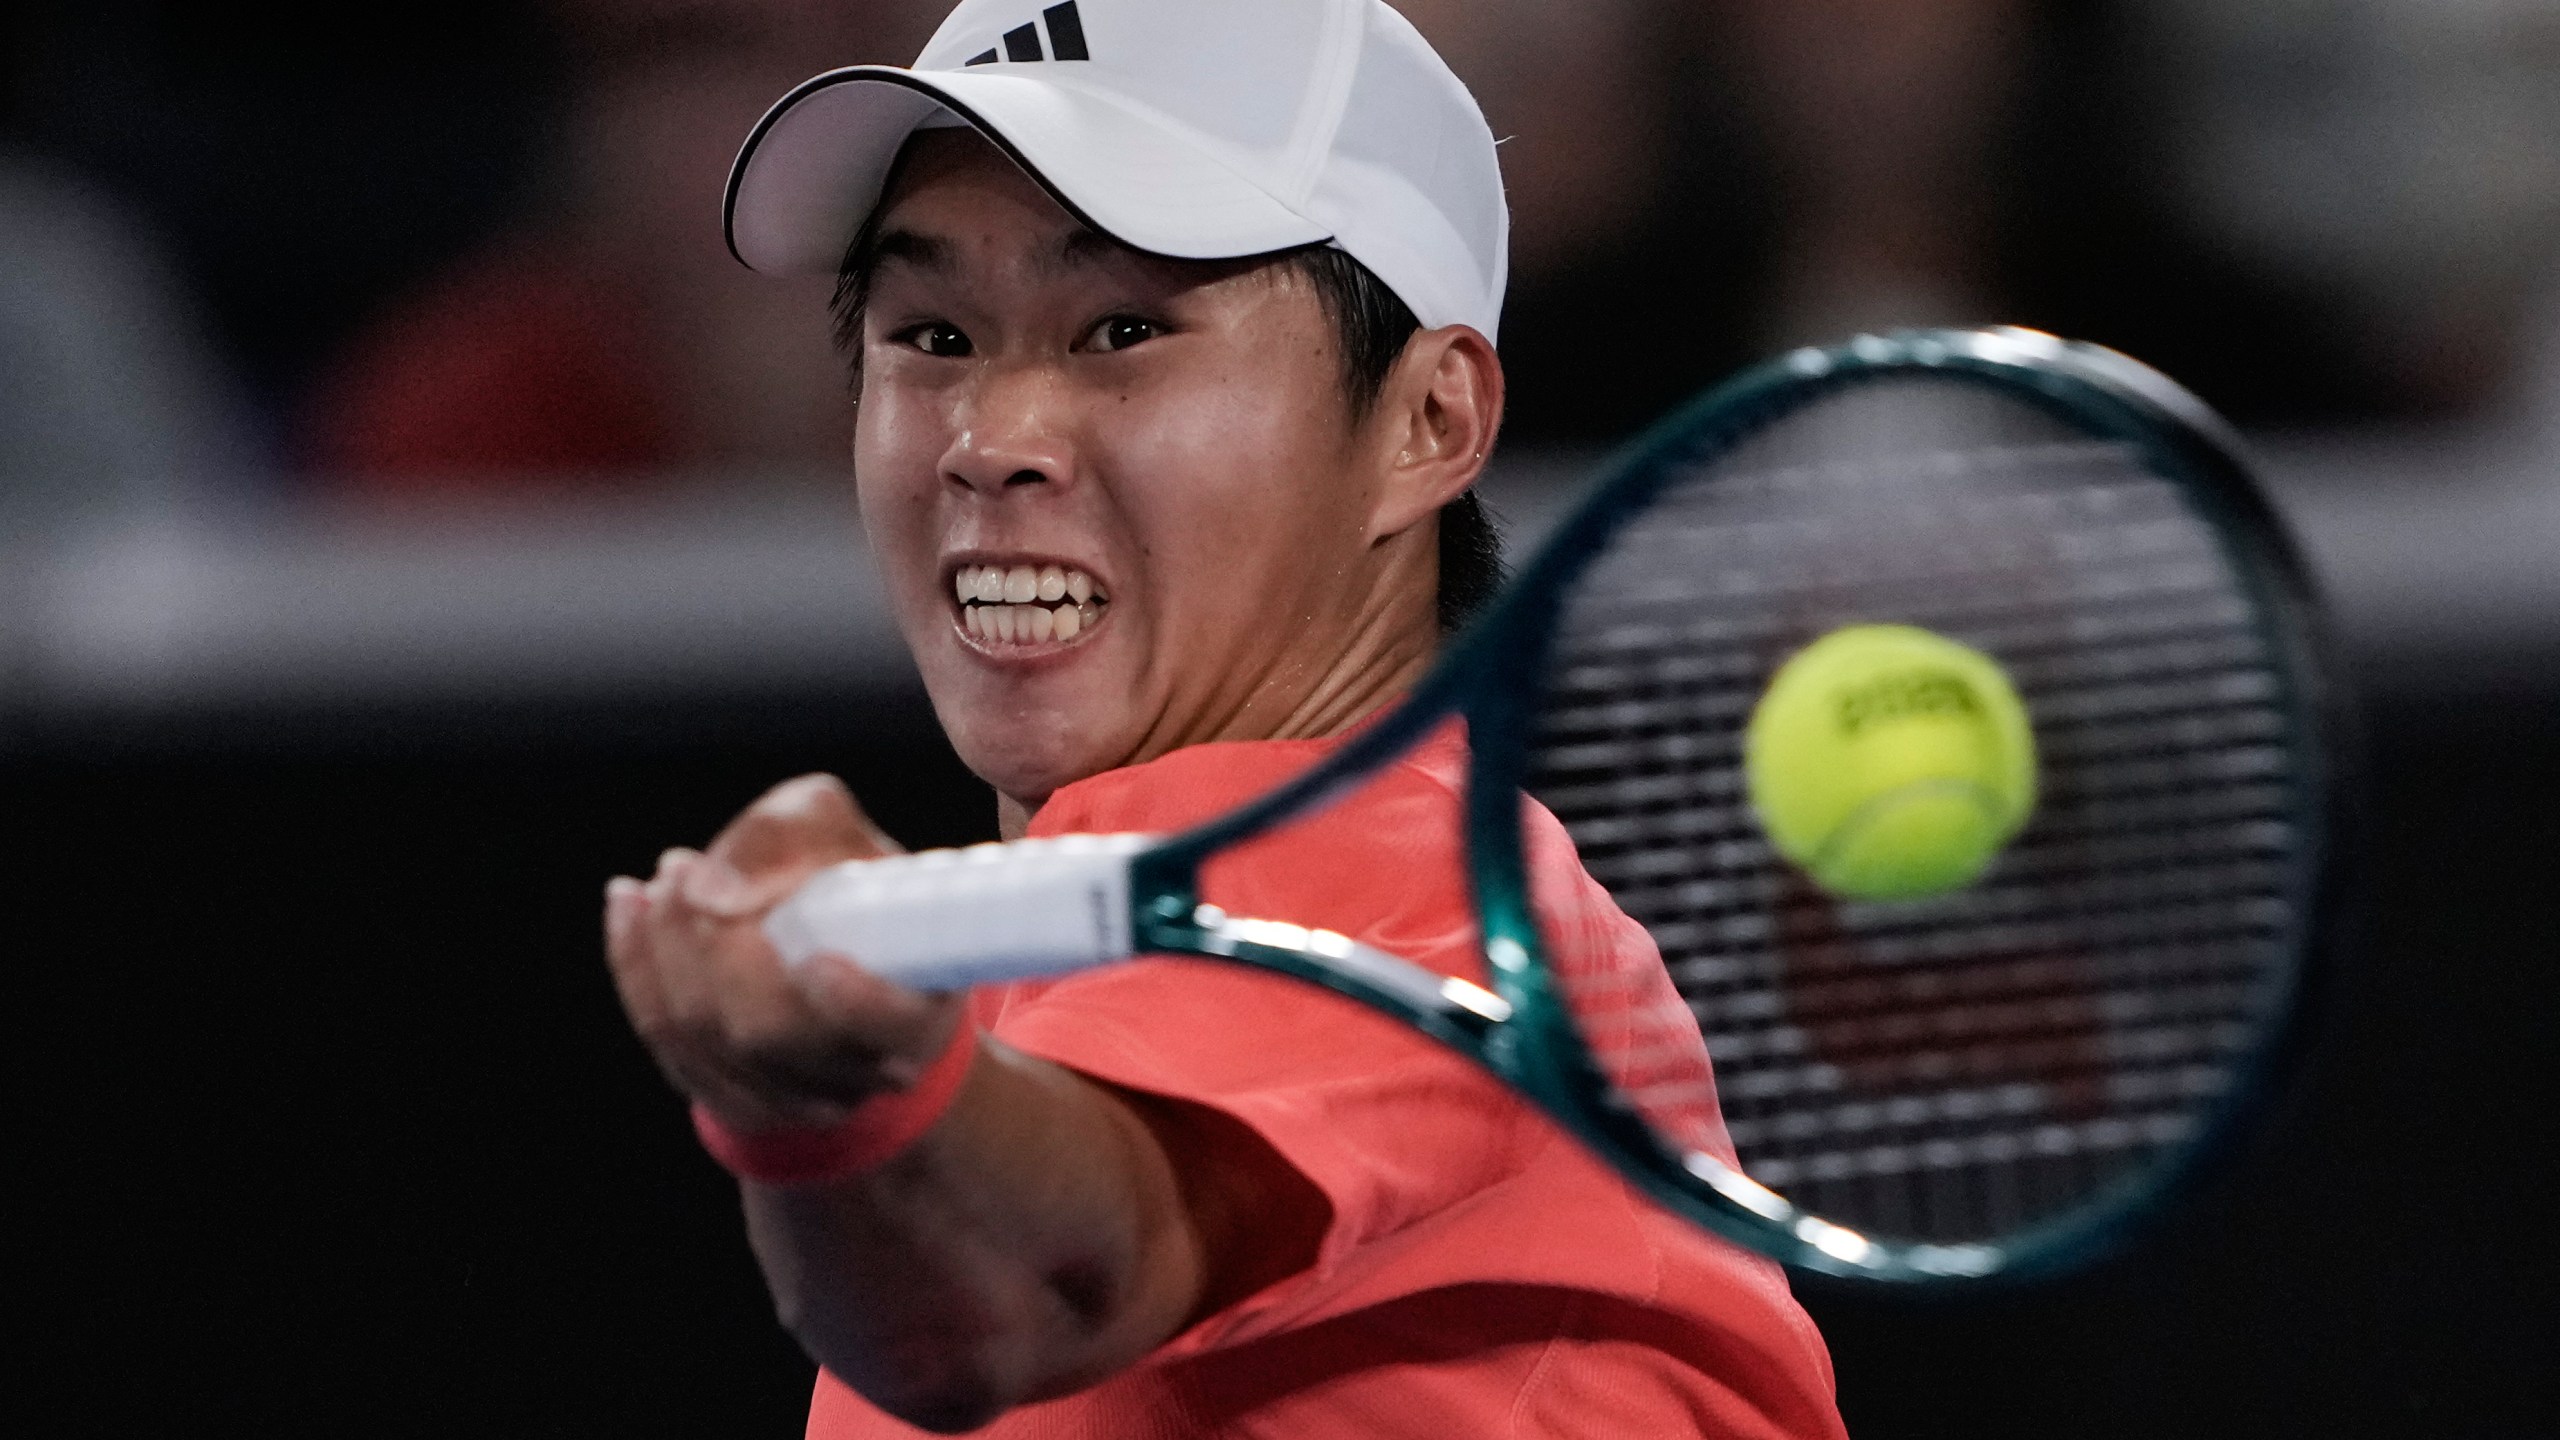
x: 949, y: 919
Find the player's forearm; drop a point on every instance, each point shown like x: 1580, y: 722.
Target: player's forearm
x: 1033, y: 1242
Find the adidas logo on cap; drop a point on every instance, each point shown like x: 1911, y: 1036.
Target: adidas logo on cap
x: 1066, y: 39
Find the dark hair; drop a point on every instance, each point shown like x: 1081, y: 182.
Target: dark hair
x: 1372, y: 325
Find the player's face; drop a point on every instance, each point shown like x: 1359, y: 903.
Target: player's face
x: 1119, y: 501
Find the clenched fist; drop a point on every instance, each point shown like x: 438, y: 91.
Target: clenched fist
x: 763, y: 1045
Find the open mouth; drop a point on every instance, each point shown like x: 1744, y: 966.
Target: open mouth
x: 1027, y: 604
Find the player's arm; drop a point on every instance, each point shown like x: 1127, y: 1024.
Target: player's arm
x: 1046, y: 1232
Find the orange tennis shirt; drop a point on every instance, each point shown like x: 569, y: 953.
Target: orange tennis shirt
x: 1481, y: 1275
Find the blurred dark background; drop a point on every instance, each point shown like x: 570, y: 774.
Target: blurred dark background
x: 409, y: 517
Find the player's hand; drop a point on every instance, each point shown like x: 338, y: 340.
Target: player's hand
x: 764, y: 1045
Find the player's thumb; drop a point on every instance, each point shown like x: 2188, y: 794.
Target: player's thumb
x: 799, y: 826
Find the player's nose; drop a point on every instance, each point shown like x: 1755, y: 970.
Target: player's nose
x: 1013, y: 433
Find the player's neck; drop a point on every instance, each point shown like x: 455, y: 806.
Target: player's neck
x: 1339, y: 666
x: 1389, y: 648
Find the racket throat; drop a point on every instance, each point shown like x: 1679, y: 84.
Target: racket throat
x: 1340, y: 963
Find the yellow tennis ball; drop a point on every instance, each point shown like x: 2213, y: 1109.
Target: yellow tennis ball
x: 1889, y: 762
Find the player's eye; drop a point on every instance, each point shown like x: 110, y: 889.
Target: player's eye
x: 1119, y: 332
x: 935, y: 338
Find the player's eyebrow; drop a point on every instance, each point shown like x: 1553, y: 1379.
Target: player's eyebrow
x: 929, y: 252
x: 1083, y: 248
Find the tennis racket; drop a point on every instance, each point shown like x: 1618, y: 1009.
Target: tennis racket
x: 1998, y: 1079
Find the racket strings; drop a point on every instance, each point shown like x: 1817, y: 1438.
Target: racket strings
x: 1955, y: 1067
x: 1628, y: 1010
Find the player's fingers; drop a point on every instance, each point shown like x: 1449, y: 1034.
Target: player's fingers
x: 712, y: 887
x: 893, y: 1024
x: 839, y: 989
x: 693, y: 1030
x: 723, y: 1023
x: 660, y: 888
x: 799, y: 826
x: 768, y: 1035
x: 678, y: 941
x: 734, y: 992
x: 631, y: 957
x: 763, y: 1059
x: 624, y: 903
x: 721, y: 913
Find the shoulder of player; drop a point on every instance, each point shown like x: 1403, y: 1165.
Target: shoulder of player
x: 1176, y: 790
x: 1199, y: 782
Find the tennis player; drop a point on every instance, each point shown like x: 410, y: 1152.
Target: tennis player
x: 1174, y: 327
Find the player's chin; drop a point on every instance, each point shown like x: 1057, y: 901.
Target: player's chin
x: 1028, y: 757
x: 1027, y: 725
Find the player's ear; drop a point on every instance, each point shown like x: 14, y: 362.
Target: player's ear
x: 1436, y: 419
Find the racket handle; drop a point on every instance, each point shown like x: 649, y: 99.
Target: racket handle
x: 950, y: 919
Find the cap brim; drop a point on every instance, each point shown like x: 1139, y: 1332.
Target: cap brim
x: 812, y: 170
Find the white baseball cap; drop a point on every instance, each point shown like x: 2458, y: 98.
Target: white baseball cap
x: 1198, y: 129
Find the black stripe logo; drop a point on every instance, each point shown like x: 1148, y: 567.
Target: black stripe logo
x: 1022, y: 43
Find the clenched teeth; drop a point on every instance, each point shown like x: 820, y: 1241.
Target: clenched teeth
x: 1025, y: 624
x: 1026, y: 605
